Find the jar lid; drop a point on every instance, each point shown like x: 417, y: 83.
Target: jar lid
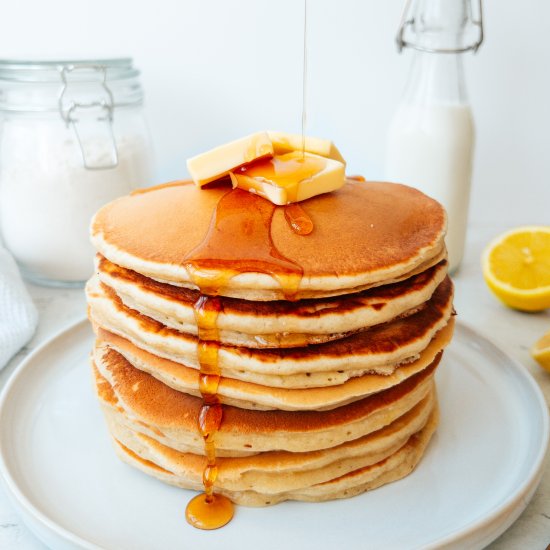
x: 38, y: 86
x: 83, y: 70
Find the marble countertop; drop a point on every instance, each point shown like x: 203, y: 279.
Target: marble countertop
x: 513, y: 331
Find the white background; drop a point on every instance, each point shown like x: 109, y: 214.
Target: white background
x: 214, y: 70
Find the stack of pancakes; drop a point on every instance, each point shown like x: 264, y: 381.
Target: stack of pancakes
x: 327, y: 390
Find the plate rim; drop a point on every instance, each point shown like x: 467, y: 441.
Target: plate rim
x: 16, y: 495
x: 525, y: 490
x: 508, y: 508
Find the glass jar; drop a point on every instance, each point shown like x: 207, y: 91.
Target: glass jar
x: 431, y: 139
x: 72, y: 138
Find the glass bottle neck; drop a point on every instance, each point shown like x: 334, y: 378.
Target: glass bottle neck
x: 436, y: 78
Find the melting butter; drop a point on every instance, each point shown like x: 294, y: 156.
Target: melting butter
x: 218, y: 162
x: 285, y: 143
x: 290, y: 177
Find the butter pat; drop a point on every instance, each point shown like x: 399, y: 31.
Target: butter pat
x: 290, y: 177
x: 285, y: 143
x: 218, y: 162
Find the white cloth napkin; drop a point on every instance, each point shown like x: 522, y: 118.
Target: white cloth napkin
x: 18, y: 315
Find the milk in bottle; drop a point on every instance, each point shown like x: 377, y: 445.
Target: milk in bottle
x: 430, y: 141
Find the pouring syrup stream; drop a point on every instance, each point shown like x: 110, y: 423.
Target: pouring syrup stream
x: 295, y: 215
x: 304, y: 83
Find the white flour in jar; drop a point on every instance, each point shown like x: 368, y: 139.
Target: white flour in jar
x: 47, y: 197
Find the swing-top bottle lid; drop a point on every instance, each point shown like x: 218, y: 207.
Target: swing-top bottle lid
x: 441, y: 26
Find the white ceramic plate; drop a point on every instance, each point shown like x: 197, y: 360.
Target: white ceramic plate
x: 480, y: 471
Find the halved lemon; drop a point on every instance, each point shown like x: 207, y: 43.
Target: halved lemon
x: 516, y: 267
x: 541, y: 352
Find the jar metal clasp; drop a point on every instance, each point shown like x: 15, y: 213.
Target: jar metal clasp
x: 91, y: 121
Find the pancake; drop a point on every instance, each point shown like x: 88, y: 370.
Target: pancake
x: 396, y: 466
x: 171, y: 417
x: 377, y: 350
x: 253, y: 396
x: 234, y: 354
x: 366, y: 233
x: 277, y: 323
x: 276, y: 472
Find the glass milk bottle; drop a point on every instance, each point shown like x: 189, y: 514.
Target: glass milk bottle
x: 430, y: 142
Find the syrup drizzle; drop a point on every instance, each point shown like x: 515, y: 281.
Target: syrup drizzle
x: 235, y: 243
x: 356, y: 178
x: 298, y: 219
x: 209, y: 510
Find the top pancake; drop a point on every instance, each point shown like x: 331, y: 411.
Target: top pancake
x: 365, y: 234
